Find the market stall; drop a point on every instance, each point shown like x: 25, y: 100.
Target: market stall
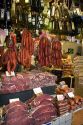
x: 39, y: 40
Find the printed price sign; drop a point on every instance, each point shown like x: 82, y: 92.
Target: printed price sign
x: 37, y: 90
x: 10, y: 74
x: 60, y: 97
x: 14, y: 100
x: 7, y: 73
x: 62, y: 83
x: 71, y: 95
x: 13, y: 73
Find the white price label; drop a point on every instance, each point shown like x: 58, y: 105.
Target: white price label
x: 7, y: 73
x: 14, y: 100
x: 10, y: 74
x: 13, y: 73
x: 62, y: 83
x: 71, y: 95
x: 60, y: 97
x: 37, y: 90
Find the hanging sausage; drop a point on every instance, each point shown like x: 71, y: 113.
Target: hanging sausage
x: 56, y: 53
x: 44, y: 54
x: 10, y: 55
x: 27, y: 41
x: 27, y: 49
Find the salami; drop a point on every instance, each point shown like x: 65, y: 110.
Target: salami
x: 56, y: 53
x: 27, y: 49
x: 10, y: 59
x: 24, y: 58
x: 44, y: 54
x: 27, y: 41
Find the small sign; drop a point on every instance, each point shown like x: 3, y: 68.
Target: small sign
x: 37, y: 91
x: 60, y: 97
x: 71, y: 95
x: 14, y: 100
x: 10, y: 74
x: 7, y: 73
x: 62, y: 83
x: 13, y: 73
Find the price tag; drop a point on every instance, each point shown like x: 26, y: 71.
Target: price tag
x: 60, y: 97
x: 71, y: 95
x: 13, y: 73
x: 14, y: 100
x: 10, y: 74
x: 7, y: 73
x: 62, y: 83
x: 38, y: 91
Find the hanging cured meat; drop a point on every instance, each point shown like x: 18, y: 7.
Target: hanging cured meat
x: 56, y: 53
x: 13, y: 37
x: 24, y: 58
x: 44, y: 54
x: 27, y: 49
x: 11, y: 40
x: 27, y: 41
x: 9, y: 59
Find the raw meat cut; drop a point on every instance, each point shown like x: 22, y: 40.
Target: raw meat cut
x: 17, y: 116
x: 27, y: 81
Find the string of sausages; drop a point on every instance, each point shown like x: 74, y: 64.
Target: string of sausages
x: 10, y: 55
x: 27, y: 49
x: 49, y: 52
x: 44, y: 54
x: 56, y: 53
